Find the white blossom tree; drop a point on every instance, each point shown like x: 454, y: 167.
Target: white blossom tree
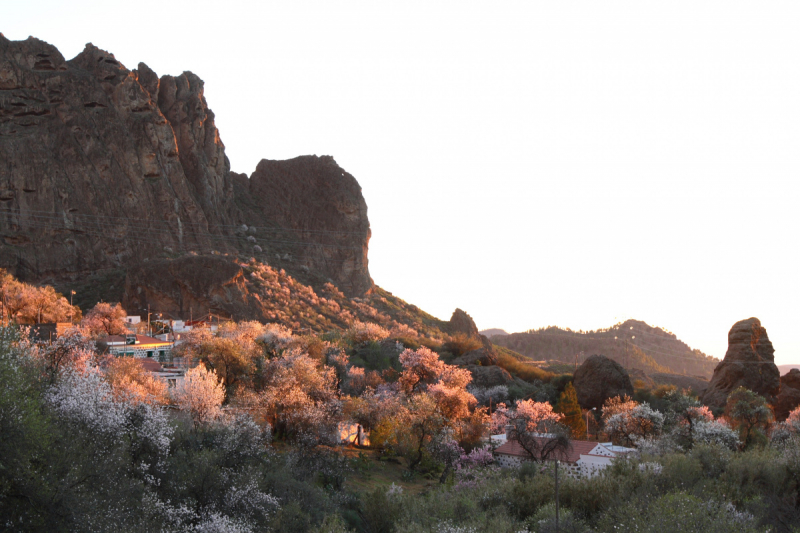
x: 201, y: 394
x: 640, y: 422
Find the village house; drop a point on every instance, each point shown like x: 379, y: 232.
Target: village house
x: 582, y: 459
x: 134, y: 345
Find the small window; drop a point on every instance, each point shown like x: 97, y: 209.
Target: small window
x: 150, y: 353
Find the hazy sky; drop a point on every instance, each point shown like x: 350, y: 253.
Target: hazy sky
x: 560, y: 163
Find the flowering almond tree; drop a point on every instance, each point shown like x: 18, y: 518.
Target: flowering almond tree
x: 300, y: 396
x: 420, y: 367
x: 537, y: 429
x: 638, y: 423
x: 105, y: 319
x: 201, y: 394
x: 132, y: 383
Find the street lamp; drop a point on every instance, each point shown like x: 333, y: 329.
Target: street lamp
x: 587, y: 420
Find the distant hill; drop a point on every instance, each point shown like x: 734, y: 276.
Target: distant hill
x: 493, y: 332
x: 633, y: 344
x: 784, y: 369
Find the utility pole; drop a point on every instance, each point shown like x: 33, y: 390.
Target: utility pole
x: 148, y: 321
x: 71, y: 309
x: 556, y: 496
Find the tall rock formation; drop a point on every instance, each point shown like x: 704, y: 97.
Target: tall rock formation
x: 788, y: 398
x: 598, y: 379
x: 749, y: 362
x: 104, y: 168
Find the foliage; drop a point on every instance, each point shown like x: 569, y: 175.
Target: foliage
x: 569, y: 407
x: 29, y: 304
x: 201, y: 394
x: 105, y: 319
x: 131, y: 382
x: 750, y: 414
x: 627, y: 427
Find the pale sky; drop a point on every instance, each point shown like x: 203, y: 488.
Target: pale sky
x: 534, y: 163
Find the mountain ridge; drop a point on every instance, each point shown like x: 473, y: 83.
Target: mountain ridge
x: 632, y: 343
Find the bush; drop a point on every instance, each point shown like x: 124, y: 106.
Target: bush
x: 381, y: 510
x: 461, y: 343
x: 527, y: 372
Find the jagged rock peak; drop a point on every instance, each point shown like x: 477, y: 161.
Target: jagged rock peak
x: 749, y: 362
x: 461, y: 322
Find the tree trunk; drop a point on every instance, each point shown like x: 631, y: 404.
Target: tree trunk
x: 445, y: 474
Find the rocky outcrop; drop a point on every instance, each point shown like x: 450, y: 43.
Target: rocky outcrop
x: 484, y: 356
x: 598, y: 379
x: 461, y: 322
x: 788, y: 398
x: 489, y: 376
x: 102, y: 167
x: 749, y: 362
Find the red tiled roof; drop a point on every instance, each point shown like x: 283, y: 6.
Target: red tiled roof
x: 151, y: 365
x: 576, y: 449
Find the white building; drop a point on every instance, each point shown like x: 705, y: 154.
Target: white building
x: 582, y: 459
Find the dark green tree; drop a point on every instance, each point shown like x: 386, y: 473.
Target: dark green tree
x: 573, y: 416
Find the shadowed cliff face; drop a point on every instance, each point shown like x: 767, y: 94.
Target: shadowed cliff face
x: 102, y: 168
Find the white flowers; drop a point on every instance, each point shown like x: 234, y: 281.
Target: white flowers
x: 84, y: 397
x: 201, y: 394
x: 639, y: 422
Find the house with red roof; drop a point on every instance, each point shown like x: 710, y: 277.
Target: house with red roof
x: 582, y: 458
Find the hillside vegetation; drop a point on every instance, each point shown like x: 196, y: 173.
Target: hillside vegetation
x: 632, y: 343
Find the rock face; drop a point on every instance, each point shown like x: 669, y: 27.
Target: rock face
x: 788, y: 398
x: 749, y: 362
x: 598, y: 379
x: 102, y: 167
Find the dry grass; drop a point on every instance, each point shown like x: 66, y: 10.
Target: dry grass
x: 506, y: 359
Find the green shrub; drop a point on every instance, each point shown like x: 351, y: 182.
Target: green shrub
x: 381, y: 510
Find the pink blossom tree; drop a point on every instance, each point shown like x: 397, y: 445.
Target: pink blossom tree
x: 537, y: 429
x: 420, y: 367
x: 105, y: 319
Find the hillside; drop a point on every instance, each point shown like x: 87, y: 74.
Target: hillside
x: 492, y: 332
x: 633, y: 343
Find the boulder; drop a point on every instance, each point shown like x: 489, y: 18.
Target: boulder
x: 749, y: 362
x: 788, y: 398
x: 598, y: 379
x: 482, y: 357
x: 489, y: 376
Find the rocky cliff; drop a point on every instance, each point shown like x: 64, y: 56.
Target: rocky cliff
x: 117, y: 171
